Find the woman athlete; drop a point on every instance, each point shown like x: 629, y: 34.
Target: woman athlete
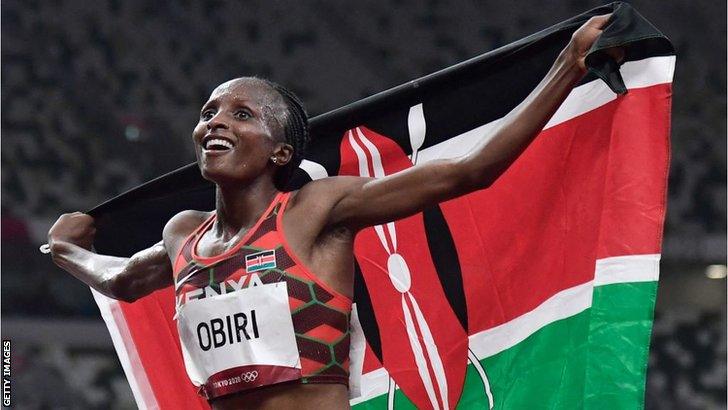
x: 250, y: 136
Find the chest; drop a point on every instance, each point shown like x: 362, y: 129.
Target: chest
x: 246, y: 267
x: 275, y: 242
x: 210, y: 244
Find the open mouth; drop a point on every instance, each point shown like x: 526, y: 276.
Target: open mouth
x: 216, y: 144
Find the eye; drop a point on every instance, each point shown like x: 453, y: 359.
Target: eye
x: 207, y: 114
x: 243, y: 114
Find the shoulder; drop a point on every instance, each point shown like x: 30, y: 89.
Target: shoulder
x: 182, y: 224
x: 179, y: 227
x: 317, y: 202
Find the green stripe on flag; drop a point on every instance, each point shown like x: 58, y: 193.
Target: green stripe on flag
x: 547, y: 370
x: 619, y: 340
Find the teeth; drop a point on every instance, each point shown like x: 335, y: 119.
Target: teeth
x: 218, y: 141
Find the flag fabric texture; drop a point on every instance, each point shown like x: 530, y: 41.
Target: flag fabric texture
x: 537, y: 292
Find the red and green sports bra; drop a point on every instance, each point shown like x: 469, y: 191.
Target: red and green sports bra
x: 320, y: 315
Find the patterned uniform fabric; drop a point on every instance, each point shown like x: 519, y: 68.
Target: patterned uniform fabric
x: 320, y: 314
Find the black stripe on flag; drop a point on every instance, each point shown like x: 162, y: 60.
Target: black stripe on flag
x: 446, y: 261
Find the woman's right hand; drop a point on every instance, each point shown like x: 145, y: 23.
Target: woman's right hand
x: 76, y: 228
x: 71, y: 239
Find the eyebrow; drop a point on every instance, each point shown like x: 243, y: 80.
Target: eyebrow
x: 237, y: 100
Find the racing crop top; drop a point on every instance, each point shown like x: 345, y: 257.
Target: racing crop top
x: 319, y: 314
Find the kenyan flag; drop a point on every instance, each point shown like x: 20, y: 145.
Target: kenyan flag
x: 537, y: 292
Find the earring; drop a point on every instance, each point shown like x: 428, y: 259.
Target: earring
x: 274, y: 159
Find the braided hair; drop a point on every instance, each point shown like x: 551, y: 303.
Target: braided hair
x: 295, y: 133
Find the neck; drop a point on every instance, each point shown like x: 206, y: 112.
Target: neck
x: 239, y: 207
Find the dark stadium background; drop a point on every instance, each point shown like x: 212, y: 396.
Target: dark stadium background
x: 99, y: 96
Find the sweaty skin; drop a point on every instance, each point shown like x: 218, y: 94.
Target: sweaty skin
x: 322, y: 218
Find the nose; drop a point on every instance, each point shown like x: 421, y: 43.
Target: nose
x: 217, y: 122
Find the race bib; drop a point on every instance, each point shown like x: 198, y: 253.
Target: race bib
x: 239, y: 340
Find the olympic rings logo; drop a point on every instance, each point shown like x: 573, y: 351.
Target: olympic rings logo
x: 249, y: 376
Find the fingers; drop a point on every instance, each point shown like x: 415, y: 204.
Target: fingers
x: 596, y: 25
x: 75, y: 226
x: 598, y: 22
x: 79, y: 217
x: 593, y: 27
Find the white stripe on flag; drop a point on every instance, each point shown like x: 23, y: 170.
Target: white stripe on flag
x: 373, y: 384
x: 631, y: 268
x: 564, y: 304
x: 648, y: 72
x: 417, y: 129
x: 356, y: 354
x: 568, y: 302
x: 126, y: 350
x: 313, y: 169
x: 636, y: 74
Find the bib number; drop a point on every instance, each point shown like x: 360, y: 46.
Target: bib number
x: 239, y: 340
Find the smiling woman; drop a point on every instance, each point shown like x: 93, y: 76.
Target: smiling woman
x: 280, y: 265
x: 277, y: 112
x: 257, y: 115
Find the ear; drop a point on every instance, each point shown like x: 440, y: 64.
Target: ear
x: 281, y: 154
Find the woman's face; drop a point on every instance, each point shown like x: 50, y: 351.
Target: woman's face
x: 240, y: 129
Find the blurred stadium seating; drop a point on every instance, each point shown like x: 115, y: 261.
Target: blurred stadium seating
x: 98, y: 97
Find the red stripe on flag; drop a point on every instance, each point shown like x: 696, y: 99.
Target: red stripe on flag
x: 155, y: 336
x: 639, y: 161
x: 588, y: 188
